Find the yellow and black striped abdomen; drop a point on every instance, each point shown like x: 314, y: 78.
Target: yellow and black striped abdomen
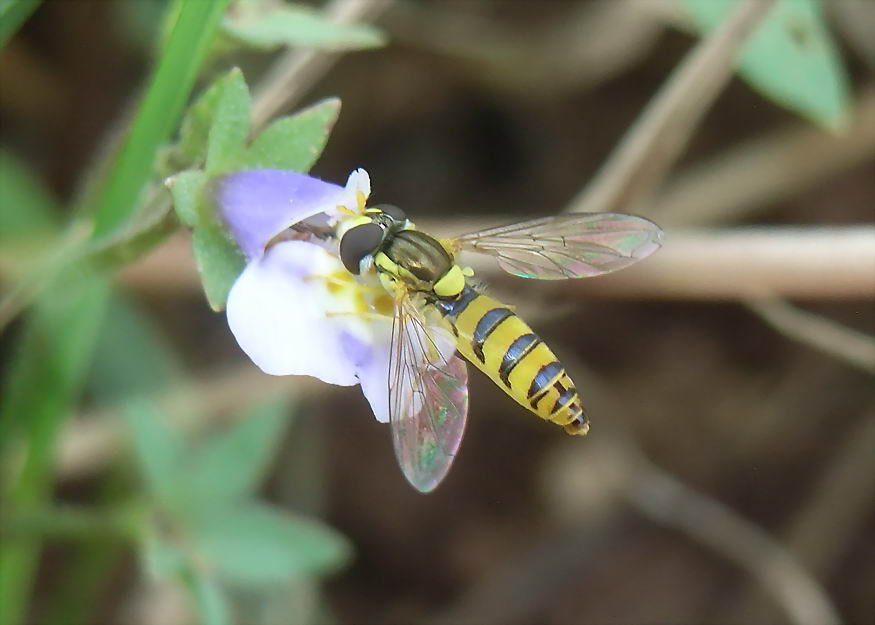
x: 505, y: 348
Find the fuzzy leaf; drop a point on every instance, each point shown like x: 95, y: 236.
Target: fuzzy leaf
x: 791, y: 58
x: 185, y: 189
x: 230, y: 125
x: 219, y: 263
x: 191, y: 150
x: 293, y: 143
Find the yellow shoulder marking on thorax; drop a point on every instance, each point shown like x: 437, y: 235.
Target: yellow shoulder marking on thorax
x: 451, y: 283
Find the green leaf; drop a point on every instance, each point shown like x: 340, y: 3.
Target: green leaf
x: 185, y: 189
x: 26, y: 207
x: 161, y: 559
x: 212, y: 605
x: 14, y: 13
x: 256, y: 545
x: 163, y: 104
x: 219, y: 263
x: 191, y: 149
x: 230, y: 125
x: 791, y: 58
x: 158, y: 449
x: 295, y: 26
x: 144, y: 365
x: 231, y: 464
x: 293, y: 142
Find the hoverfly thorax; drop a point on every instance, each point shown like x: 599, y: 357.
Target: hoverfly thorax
x: 418, y: 254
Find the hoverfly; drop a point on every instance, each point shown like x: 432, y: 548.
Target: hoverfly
x: 437, y: 312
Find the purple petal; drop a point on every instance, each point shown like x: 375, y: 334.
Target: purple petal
x: 259, y: 204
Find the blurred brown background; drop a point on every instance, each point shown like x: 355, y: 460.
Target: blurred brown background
x: 476, y: 111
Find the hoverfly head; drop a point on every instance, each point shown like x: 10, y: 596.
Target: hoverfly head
x: 368, y: 234
x: 359, y: 244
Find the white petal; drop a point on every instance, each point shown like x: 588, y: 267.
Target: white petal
x: 359, y: 180
x: 358, y: 188
x: 279, y: 318
x: 374, y: 373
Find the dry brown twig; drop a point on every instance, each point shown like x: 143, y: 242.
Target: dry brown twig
x: 585, y: 44
x: 621, y: 470
x: 849, y: 345
x: 295, y: 71
x: 816, y: 263
x: 666, y: 500
x: 836, y: 511
x: 761, y: 171
x: 650, y: 148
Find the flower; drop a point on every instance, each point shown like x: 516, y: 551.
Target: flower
x: 295, y: 309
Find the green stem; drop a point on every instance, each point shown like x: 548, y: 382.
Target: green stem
x: 13, y: 14
x: 160, y: 111
x: 44, y: 383
x: 46, y: 379
x: 92, y: 560
x: 67, y: 522
x: 124, y: 247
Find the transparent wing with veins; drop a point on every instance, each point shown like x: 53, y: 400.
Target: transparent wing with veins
x: 428, y: 395
x: 567, y: 246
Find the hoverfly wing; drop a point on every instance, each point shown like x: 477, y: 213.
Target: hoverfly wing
x: 567, y: 246
x: 428, y: 396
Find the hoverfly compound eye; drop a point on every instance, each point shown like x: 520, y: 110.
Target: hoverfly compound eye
x: 392, y: 211
x: 357, y: 243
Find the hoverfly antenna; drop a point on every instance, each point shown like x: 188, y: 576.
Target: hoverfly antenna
x: 357, y: 243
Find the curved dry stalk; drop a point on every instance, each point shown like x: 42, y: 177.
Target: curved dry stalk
x: 619, y: 465
x: 837, y: 509
x: 584, y: 45
x: 295, y: 71
x: 652, y: 145
x: 766, y: 169
x: 666, y: 500
x: 849, y: 345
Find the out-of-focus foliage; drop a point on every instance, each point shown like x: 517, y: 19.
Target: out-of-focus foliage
x: 267, y: 25
x: 26, y: 208
x: 203, y: 525
x: 704, y: 390
x: 13, y: 13
x: 115, y: 374
x: 791, y: 58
